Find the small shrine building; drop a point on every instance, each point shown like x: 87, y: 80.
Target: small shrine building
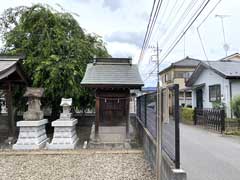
x: 112, y: 79
x: 11, y: 74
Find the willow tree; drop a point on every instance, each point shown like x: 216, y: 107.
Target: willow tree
x: 56, y: 51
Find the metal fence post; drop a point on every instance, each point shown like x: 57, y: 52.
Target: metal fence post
x: 195, y: 116
x: 222, y: 120
x: 145, y: 110
x: 177, y: 131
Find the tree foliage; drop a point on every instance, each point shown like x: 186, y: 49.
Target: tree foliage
x: 56, y: 50
x: 235, y: 105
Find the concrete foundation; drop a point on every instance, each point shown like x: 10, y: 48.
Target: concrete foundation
x: 32, y: 135
x: 168, y: 171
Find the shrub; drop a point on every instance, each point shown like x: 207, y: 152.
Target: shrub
x: 187, y: 114
x: 235, y: 105
x: 218, y: 105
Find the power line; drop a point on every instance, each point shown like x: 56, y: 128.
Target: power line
x: 197, y: 14
x: 198, y: 31
x: 146, y: 34
x: 161, y: 22
x: 150, y: 29
x: 181, y: 19
x: 183, y: 16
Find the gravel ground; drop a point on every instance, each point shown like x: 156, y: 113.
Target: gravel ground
x: 86, y: 166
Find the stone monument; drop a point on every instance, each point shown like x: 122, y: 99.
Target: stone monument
x: 32, y: 133
x: 65, y: 136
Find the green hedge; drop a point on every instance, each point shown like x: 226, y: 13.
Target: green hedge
x: 187, y: 114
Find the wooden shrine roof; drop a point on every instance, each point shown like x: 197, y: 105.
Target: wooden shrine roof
x: 112, y: 72
x: 10, y: 70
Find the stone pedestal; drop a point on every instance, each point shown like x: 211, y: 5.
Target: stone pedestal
x: 65, y: 136
x: 32, y: 135
x: 109, y: 137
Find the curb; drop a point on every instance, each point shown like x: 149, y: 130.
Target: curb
x: 68, y: 152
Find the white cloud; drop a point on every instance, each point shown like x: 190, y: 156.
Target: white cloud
x: 113, y: 5
x: 135, y: 38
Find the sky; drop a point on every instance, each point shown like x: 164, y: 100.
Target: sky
x: 122, y: 25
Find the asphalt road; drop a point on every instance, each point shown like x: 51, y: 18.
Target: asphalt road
x: 209, y: 156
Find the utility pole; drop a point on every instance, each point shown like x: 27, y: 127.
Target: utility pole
x: 159, y: 121
x: 225, y: 45
x: 184, y: 45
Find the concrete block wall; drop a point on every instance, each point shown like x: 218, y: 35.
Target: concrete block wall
x: 168, y: 172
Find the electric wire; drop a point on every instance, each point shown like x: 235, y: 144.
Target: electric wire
x: 188, y: 9
x: 149, y: 33
x: 197, y: 14
x: 198, y: 30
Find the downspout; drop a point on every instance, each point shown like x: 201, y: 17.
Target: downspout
x: 230, y: 89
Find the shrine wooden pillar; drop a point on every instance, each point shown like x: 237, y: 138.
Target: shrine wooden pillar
x: 127, y: 101
x: 11, y: 122
x: 97, y: 108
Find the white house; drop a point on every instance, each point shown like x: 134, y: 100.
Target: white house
x: 216, y: 81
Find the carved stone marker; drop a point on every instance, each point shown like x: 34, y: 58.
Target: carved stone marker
x: 65, y: 136
x: 32, y: 133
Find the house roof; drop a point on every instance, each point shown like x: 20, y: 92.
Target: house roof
x: 226, y: 69
x: 150, y: 89
x: 10, y: 69
x: 183, y: 63
x: 112, y: 72
x: 230, y: 57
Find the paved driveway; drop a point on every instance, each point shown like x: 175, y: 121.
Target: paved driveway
x: 209, y: 156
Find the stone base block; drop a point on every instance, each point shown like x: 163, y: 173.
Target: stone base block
x: 32, y: 135
x: 65, y: 136
x: 109, y: 137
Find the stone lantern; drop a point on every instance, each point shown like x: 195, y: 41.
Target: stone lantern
x: 65, y: 136
x: 34, y: 112
x: 32, y: 133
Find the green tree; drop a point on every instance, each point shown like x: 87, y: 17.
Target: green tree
x: 56, y: 51
x: 235, y: 105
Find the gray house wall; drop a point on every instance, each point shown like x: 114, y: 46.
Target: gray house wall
x: 209, y: 77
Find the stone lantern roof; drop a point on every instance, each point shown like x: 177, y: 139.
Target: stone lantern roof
x: 34, y: 92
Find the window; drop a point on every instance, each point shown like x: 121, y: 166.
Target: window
x: 168, y: 77
x: 188, y: 94
x: 181, y: 94
x: 215, y: 93
x: 179, y: 74
x: 182, y: 74
x: 163, y: 79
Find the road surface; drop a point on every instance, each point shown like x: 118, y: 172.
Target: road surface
x: 209, y: 156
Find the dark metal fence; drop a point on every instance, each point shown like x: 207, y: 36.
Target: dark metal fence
x: 170, y: 117
x: 210, y: 118
x: 169, y: 112
x: 147, y: 112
